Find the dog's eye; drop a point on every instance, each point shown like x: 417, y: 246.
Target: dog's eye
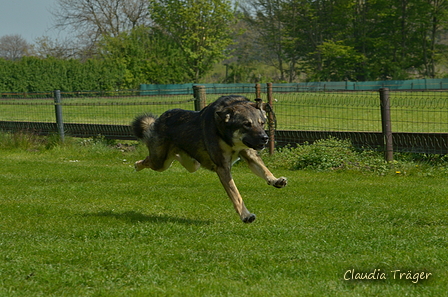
x: 247, y: 124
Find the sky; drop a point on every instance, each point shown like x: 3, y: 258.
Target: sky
x: 29, y: 18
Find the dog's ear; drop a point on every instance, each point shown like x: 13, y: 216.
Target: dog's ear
x: 259, y: 104
x: 224, y: 115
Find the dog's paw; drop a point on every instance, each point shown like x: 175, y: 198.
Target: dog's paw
x: 249, y: 219
x: 138, y: 166
x: 280, y: 182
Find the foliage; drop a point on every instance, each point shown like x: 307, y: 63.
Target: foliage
x: 32, y: 74
x: 386, y: 38
x: 331, y: 154
x: 201, y: 29
x: 340, y: 155
x: 13, y: 47
x: 265, y: 18
x: 22, y: 141
x: 339, y: 62
x: 166, y: 41
x: 147, y: 56
x: 92, y: 19
x: 45, y: 47
x: 238, y: 73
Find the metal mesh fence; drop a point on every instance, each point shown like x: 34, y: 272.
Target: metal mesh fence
x: 118, y: 108
x: 30, y: 107
x: 419, y: 119
x: 420, y: 111
x: 85, y: 114
x: 412, y: 111
x: 327, y: 111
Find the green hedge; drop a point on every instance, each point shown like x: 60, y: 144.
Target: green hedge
x: 32, y: 74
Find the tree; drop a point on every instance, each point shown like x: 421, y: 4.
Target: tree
x: 147, y: 57
x: 265, y: 16
x: 339, y: 62
x: 244, y: 54
x: 201, y: 29
x: 311, y: 23
x: 13, y: 47
x: 46, y: 47
x: 438, y: 19
x: 291, y: 30
x: 388, y: 38
x: 92, y: 19
x: 400, y: 35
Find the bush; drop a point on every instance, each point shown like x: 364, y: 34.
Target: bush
x: 334, y: 154
x: 330, y: 154
x: 32, y: 74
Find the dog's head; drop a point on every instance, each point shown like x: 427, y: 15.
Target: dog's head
x: 242, y: 124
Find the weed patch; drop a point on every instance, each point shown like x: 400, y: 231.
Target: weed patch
x: 338, y: 155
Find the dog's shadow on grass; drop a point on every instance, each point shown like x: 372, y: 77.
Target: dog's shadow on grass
x: 138, y: 217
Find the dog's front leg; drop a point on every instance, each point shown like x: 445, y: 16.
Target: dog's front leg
x: 232, y: 191
x: 142, y: 164
x: 258, y: 167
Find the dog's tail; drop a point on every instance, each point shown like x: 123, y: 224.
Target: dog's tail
x: 142, y: 125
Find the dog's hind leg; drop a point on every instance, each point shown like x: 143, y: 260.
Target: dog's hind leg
x: 232, y: 191
x: 159, y: 159
x: 148, y: 162
x: 258, y: 167
x: 188, y: 162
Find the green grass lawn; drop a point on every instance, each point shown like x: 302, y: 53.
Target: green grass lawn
x: 76, y: 220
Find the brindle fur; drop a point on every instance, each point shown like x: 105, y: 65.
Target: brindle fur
x: 230, y: 128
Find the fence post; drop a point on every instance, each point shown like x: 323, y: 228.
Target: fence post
x: 271, y: 120
x: 386, y: 124
x: 200, y: 98
x: 257, y: 91
x: 58, y: 111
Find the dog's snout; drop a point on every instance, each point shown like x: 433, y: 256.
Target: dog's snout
x: 264, y: 138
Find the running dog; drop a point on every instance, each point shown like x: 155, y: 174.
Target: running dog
x: 230, y: 128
